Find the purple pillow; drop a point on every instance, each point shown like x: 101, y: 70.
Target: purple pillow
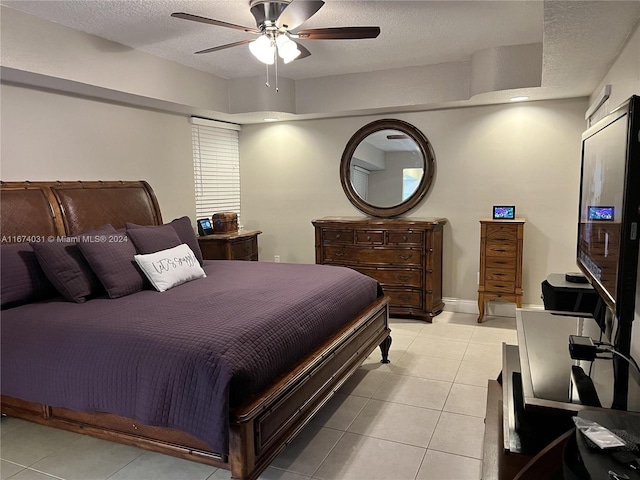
x: 185, y: 232
x: 66, y: 268
x: 112, y: 261
x: 21, y: 278
x: 153, y: 239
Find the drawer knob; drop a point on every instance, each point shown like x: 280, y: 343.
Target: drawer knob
x: 337, y: 236
x: 429, y: 292
x: 430, y: 271
x: 405, y: 257
x: 405, y: 238
x: 339, y: 254
x: 368, y: 237
x: 431, y: 250
x: 404, y: 278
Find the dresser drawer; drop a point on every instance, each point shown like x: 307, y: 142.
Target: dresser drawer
x: 502, y: 233
x: 407, y: 237
x: 330, y: 235
x: 500, y: 262
x: 501, y: 274
x: 402, y: 278
x: 501, y: 250
x: 244, y: 249
x: 369, y: 237
x: 499, y: 286
x: 404, y: 298
x: 373, y: 255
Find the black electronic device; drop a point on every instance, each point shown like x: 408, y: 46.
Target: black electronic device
x: 607, y: 251
x: 205, y: 227
x: 575, y: 277
x: 582, y: 348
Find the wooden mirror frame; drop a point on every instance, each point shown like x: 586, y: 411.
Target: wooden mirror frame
x: 428, y: 158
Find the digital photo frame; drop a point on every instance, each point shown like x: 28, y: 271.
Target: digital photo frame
x: 504, y: 212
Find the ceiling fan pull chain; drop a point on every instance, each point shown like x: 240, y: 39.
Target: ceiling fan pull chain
x: 276, y: 62
x: 267, y: 82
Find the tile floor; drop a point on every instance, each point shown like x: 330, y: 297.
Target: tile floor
x: 417, y: 418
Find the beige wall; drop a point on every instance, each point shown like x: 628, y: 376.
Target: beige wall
x: 48, y: 136
x: 525, y: 154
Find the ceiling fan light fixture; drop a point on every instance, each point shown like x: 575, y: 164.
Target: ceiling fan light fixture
x: 263, y: 49
x: 287, y: 48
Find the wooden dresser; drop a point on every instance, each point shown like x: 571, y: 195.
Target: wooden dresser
x: 500, y: 261
x: 403, y: 254
x: 240, y: 245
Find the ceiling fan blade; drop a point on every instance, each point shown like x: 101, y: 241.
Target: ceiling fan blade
x: 338, y: 33
x: 222, y: 47
x: 211, y: 21
x: 304, y: 53
x: 298, y: 12
x: 400, y: 136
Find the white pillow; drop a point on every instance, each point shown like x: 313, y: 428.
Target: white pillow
x: 168, y: 268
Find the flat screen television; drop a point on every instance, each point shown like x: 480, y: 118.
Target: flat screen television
x: 607, y: 246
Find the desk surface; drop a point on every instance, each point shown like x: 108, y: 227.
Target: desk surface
x: 557, y: 280
x: 543, y: 340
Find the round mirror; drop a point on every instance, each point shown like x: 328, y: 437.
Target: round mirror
x: 387, y: 168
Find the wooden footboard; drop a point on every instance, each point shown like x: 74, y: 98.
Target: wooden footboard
x: 261, y: 428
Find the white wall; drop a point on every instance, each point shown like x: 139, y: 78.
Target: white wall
x: 525, y: 154
x: 49, y: 136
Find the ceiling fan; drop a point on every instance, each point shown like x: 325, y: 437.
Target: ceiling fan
x: 276, y: 20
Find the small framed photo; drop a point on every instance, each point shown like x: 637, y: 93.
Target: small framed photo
x: 504, y: 212
x: 601, y: 213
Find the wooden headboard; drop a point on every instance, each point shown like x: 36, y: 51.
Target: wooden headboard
x: 69, y: 208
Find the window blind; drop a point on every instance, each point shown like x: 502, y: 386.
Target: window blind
x: 216, y: 167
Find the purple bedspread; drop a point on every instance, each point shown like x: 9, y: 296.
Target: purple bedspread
x: 182, y: 358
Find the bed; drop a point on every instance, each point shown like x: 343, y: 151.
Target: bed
x: 277, y: 352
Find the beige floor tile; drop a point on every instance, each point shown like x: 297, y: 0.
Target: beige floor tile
x: 219, y: 474
x: 445, y: 466
x: 457, y: 318
x: 406, y: 326
x: 479, y: 353
x: 365, y: 458
x: 499, y: 322
x: 26, y: 442
x: 474, y: 373
x: 7, y: 469
x: 493, y: 336
x: 418, y: 392
x: 467, y: 400
x: 438, y: 347
x: 29, y: 474
x: 340, y: 411
x: 277, y: 474
x: 88, y: 458
x: 396, y: 422
x: 448, y: 331
x: 363, y: 382
x: 434, y: 368
x: 308, y: 450
x: 458, y: 434
x: 156, y: 466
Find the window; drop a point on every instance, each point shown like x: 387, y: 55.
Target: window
x: 360, y: 180
x: 216, y: 167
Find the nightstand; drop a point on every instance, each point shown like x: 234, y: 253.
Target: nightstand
x: 240, y: 245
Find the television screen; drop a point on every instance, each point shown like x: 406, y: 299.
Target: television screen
x: 601, y: 213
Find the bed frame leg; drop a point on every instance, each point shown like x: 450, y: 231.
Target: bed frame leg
x: 384, y: 348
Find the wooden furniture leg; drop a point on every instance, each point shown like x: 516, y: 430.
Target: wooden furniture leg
x: 481, y: 306
x: 384, y: 348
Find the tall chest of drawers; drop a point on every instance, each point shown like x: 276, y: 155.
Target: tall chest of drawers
x: 500, y: 261
x: 404, y: 255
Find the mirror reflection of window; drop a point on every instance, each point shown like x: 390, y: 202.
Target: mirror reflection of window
x: 410, y: 180
x: 360, y: 181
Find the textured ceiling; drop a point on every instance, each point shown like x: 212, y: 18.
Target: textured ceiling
x: 579, y: 42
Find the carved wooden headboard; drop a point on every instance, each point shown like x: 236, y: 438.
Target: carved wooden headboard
x: 69, y: 208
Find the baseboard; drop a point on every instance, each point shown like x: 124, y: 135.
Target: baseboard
x: 495, y: 308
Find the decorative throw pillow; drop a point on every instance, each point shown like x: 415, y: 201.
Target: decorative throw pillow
x: 169, y: 268
x: 66, y: 268
x: 185, y: 231
x: 21, y: 277
x: 112, y: 261
x: 153, y: 239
